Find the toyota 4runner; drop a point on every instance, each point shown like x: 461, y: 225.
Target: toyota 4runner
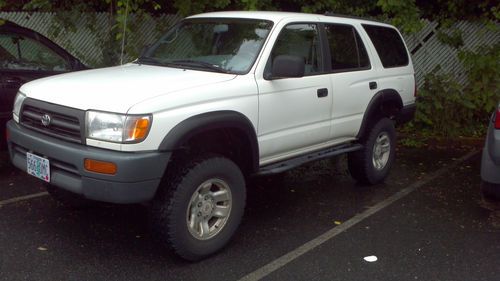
x: 220, y: 97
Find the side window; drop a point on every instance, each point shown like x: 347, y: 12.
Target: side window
x: 22, y: 53
x: 389, y: 45
x: 300, y: 40
x: 348, y: 52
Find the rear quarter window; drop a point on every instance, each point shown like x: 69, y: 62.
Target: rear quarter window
x: 388, y: 44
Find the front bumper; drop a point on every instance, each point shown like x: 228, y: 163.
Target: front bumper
x: 4, y: 117
x: 490, y: 161
x: 137, y: 178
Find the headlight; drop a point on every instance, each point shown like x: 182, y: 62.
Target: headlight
x: 118, y: 128
x: 18, y: 102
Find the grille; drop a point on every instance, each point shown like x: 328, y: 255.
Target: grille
x: 65, y: 123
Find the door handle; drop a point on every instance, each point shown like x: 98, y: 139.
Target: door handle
x: 373, y: 85
x: 323, y: 92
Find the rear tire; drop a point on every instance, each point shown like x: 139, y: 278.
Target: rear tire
x: 69, y: 199
x: 372, y: 163
x: 199, y: 206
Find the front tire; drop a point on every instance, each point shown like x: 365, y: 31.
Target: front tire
x: 372, y: 164
x: 199, y: 207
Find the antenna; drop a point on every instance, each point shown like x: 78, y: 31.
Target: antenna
x: 124, y: 31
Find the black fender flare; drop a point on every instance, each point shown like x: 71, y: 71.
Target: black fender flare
x: 375, y: 104
x: 208, y: 121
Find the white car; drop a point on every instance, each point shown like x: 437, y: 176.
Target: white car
x: 490, y: 161
x: 219, y: 98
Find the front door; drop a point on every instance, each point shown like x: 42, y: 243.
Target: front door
x: 294, y: 113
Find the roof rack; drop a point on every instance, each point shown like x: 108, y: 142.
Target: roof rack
x: 331, y: 14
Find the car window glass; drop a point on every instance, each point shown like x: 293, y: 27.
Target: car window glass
x: 22, y: 53
x: 347, y: 50
x: 389, y: 45
x: 229, y: 44
x: 300, y: 40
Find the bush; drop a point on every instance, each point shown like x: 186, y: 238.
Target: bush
x: 446, y: 108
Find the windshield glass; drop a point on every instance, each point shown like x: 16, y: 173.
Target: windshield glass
x: 222, y: 45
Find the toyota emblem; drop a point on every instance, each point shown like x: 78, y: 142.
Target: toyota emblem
x: 46, y: 119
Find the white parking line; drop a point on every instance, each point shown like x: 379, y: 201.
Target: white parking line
x: 308, y: 246
x: 22, y: 198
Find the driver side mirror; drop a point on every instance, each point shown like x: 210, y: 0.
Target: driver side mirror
x: 287, y: 66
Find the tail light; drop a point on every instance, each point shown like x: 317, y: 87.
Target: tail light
x: 497, y: 118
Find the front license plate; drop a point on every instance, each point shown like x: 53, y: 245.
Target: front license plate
x: 38, y: 166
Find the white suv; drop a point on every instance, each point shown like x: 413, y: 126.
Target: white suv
x: 220, y: 97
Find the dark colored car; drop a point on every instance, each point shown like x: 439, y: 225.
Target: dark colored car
x: 490, y: 163
x: 26, y: 55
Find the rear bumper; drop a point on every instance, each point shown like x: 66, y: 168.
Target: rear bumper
x: 406, y: 113
x: 137, y: 178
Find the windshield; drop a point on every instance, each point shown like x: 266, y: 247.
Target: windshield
x: 222, y: 45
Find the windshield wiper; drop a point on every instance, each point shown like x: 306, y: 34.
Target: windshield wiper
x: 149, y: 60
x: 202, y: 64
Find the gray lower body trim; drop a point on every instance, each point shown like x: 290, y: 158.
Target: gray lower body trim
x: 288, y: 164
x: 137, y: 179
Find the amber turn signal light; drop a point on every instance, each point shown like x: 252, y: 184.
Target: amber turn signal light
x: 139, y: 130
x: 100, y: 167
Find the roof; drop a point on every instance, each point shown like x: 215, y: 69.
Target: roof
x: 278, y: 16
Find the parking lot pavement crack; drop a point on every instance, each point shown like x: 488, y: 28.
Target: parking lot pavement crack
x: 278, y: 263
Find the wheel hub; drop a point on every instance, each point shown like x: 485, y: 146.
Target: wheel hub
x: 209, y: 209
x: 381, y: 151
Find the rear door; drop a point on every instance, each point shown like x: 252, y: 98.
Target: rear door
x: 353, y: 79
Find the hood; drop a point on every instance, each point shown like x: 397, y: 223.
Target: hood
x: 117, y: 89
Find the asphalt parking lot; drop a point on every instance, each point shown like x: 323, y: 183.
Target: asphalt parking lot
x: 426, y: 222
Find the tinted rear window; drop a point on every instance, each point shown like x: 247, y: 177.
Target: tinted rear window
x: 389, y: 45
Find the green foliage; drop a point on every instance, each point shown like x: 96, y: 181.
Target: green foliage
x: 402, y: 13
x: 483, y: 71
x: 447, y: 108
x: 347, y: 7
x: 189, y: 7
x: 453, y: 38
x: 36, y: 5
x: 124, y: 8
x: 445, y: 11
x: 412, y: 140
x: 442, y: 108
x: 256, y: 5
